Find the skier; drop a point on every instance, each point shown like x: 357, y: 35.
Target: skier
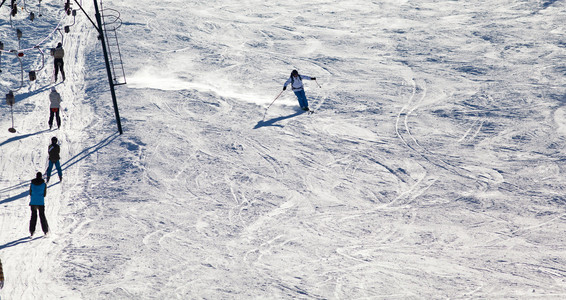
x: 55, y: 100
x: 54, y: 159
x: 37, y: 192
x: 58, y: 53
x: 296, y: 82
x: 1, y: 276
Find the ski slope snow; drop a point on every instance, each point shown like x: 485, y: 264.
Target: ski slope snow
x: 432, y: 168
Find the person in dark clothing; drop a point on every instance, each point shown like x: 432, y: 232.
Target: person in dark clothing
x: 1, y: 276
x: 37, y: 192
x: 54, y: 159
x: 58, y: 53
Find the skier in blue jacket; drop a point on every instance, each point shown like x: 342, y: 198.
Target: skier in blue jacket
x: 296, y: 82
x: 37, y: 192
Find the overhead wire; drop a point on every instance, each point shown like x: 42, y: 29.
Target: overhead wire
x: 20, y: 52
x: 43, y: 40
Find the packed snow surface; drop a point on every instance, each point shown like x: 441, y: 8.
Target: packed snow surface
x: 432, y: 168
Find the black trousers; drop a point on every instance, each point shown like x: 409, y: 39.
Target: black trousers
x: 55, y: 114
x: 42, y: 219
x: 59, y: 66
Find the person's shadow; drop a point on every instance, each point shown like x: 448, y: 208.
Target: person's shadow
x: 16, y: 242
x: 20, y: 137
x: 67, y: 164
x: 271, y: 122
x: 23, y: 96
x: 14, y: 198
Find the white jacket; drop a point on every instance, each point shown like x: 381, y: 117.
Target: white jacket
x: 297, y: 82
x: 55, y: 99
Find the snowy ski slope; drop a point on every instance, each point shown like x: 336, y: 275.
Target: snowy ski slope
x: 432, y: 168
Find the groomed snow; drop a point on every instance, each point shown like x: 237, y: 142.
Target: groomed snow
x: 431, y: 169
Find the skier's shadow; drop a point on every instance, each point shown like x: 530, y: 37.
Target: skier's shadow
x: 67, y: 164
x: 15, y: 243
x: 271, y: 122
x: 20, y: 137
x: 23, y: 96
x: 14, y: 198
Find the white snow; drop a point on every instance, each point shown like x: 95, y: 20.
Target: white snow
x: 431, y: 169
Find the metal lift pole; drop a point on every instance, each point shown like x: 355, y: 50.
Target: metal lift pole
x: 108, y: 70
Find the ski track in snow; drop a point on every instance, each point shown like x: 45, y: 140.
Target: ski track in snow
x: 432, y: 167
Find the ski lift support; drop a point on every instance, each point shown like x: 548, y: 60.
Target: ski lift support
x: 67, y: 28
x: 1, y: 50
x: 100, y: 30
x: 111, y: 22
x: 10, y: 100
x: 19, y: 55
x: 32, y: 73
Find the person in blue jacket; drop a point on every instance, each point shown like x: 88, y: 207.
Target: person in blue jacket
x: 37, y: 192
x: 296, y: 82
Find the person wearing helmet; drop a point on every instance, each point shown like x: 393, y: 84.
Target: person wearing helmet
x: 37, y: 193
x: 55, y: 100
x: 296, y: 81
x: 54, y: 159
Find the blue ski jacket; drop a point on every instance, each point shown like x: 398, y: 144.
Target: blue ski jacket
x: 37, y: 192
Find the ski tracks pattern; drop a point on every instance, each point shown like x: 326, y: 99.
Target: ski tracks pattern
x: 485, y: 178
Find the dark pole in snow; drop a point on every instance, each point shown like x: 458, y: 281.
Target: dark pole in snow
x: 102, y: 39
x: 108, y: 70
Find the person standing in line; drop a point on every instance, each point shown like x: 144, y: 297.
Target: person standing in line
x: 58, y: 53
x: 1, y: 276
x: 296, y: 82
x: 55, y: 99
x: 54, y: 158
x: 37, y: 192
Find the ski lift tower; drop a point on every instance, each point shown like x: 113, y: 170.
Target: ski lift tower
x: 101, y: 36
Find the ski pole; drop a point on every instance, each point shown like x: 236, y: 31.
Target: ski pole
x: 272, y: 103
x: 317, y: 83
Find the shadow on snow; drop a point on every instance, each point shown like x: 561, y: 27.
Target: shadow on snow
x: 271, y: 122
x: 75, y: 159
x: 89, y: 151
x: 14, y: 198
x: 21, y: 137
x: 15, y: 242
x: 23, y: 96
